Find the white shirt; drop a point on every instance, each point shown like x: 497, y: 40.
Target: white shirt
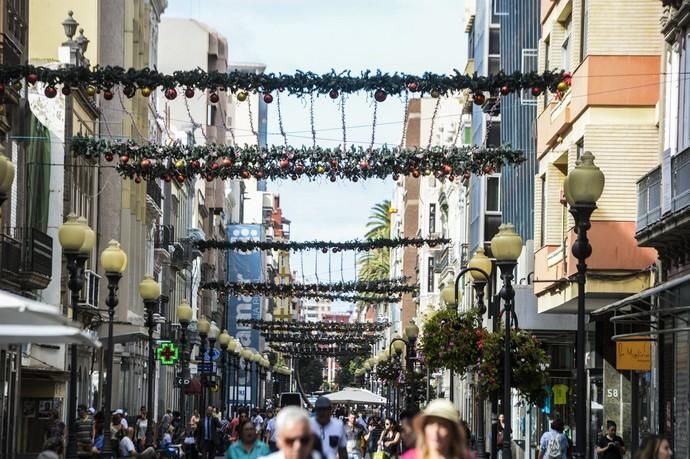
x: 334, y: 428
x: 127, y: 447
x: 271, y: 429
x: 258, y: 422
x: 124, y: 423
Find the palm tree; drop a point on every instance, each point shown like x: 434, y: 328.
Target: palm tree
x: 375, y: 264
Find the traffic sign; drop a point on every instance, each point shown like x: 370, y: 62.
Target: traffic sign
x: 206, y: 367
x: 215, y: 355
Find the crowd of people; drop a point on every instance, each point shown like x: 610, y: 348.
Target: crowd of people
x: 291, y: 433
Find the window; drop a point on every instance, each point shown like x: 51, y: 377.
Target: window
x: 494, y: 40
x: 684, y: 99
x: 547, y: 65
x: 542, y: 217
x: 492, y: 194
x: 529, y: 63
x: 211, y: 115
x: 432, y: 218
x: 584, y: 30
x: 430, y: 275
x: 470, y: 43
x: 493, y: 134
x: 496, y: 11
x: 565, y: 46
x: 580, y: 148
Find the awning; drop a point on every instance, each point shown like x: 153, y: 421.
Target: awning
x: 23, y: 320
x: 639, y: 315
x: 356, y: 395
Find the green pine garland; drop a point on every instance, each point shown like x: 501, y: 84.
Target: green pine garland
x: 384, y: 287
x: 324, y: 246
x: 179, y: 162
x: 299, y: 84
x: 314, y: 327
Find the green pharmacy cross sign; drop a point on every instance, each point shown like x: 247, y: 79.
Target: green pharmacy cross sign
x: 167, y: 353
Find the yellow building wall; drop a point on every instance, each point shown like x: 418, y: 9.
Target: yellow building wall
x: 46, y: 33
x: 624, y: 27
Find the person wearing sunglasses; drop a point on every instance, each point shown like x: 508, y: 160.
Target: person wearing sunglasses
x: 294, y: 436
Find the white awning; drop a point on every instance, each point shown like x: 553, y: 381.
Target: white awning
x: 356, y: 395
x: 23, y: 320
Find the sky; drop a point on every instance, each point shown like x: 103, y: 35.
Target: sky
x: 320, y: 35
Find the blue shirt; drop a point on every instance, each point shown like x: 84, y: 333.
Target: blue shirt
x: 237, y: 451
x: 544, y: 442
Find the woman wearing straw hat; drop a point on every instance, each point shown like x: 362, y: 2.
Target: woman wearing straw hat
x: 439, y: 435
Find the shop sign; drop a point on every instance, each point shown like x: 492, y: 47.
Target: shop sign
x: 634, y: 355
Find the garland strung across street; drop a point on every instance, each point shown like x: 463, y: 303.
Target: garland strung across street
x: 146, y: 80
x: 179, y: 162
x: 324, y: 246
x: 319, y: 338
x: 308, y: 327
x: 384, y: 287
x: 312, y: 350
x: 368, y: 299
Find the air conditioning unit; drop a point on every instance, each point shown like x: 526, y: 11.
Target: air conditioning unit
x: 89, y: 294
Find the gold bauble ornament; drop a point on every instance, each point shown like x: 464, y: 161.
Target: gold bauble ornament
x: 145, y: 91
x: 179, y: 164
x: 242, y: 96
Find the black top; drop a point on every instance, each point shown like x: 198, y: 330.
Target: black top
x: 612, y: 452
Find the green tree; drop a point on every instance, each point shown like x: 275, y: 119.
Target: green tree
x: 310, y: 374
x: 345, y: 376
x: 375, y: 264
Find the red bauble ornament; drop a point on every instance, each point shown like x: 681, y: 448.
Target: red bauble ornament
x: 479, y: 98
x: 380, y: 95
x: 66, y: 90
x: 505, y: 90
x: 214, y: 98
x: 145, y: 164
x: 355, y: 179
x: 333, y: 178
x: 50, y: 92
x: 170, y: 93
x: 412, y: 86
x: 107, y: 94
x: 324, y: 250
x: 268, y: 98
x: 284, y: 163
x: 32, y: 78
x: 396, y: 177
x: 227, y: 162
x: 536, y: 91
x: 124, y: 158
x: 195, y: 164
x: 451, y: 177
x: 333, y: 93
x: 2, y: 88
x: 446, y: 169
x: 181, y: 178
x: 259, y: 175
x: 299, y: 168
x: 364, y: 165
x: 189, y: 93
x: 415, y: 173
x: 167, y: 178
x: 334, y: 164
x: 215, y: 166
x: 108, y: 156
x: 137, y: 179
x: 246, y: 174
x: 294, y: 177
x: 129, y: 91
x: 209, y: 178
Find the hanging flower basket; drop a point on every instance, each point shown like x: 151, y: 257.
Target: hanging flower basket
x: 451, y: 340
x: 388, y: 371
x: 530, y: 364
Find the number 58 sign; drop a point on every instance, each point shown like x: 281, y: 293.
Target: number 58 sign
x: 612, y: 393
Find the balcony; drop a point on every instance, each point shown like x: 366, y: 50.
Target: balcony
x: 154, y: 199
x: 664, y: 217
x: 163, y: 238
x: 649, y: 199
x: 26, y: 258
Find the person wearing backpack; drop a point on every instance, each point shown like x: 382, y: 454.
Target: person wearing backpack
x: 553, y: 444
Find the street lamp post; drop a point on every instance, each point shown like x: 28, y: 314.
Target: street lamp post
x: 479, y: 267
x: 224, y: 340
x: 150, y: 291
x: 203, y: 327
x: 184, y: 316
x: 582, y: 188
x: 77, y: 240
x: 213, y: 334
x: 246, y: 355
x: 114, y: 262
x: 506, y: 247
x: 6, y: 177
